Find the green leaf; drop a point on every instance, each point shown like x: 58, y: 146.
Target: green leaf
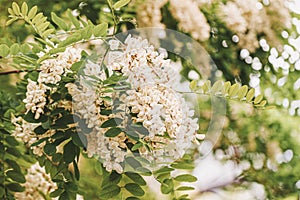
x: 43, y: 26
x: 47, y: 32
x: 64, y: 196
x: 15, y: 187
x: 74, y: 20
x: 136, y: 146
x: 11, y: 141
x: 4, y: 50
x: 32, y: 12
x: 16, y: 176
x: 233, y: 90
x: 132, y: 198
x: 14, y: 49
x: 164, y: 170
x: 13, y: 164
x: 182, y: 165
x: 100, y: 30
x: 113, y: 132
x: 9, y: 22
x: 59, y: 21
x: 49, y: 149
x: 167, y: 186
x: 112, y: 122
x: 79, y: 139
x: 56, y: 193
x: 37, y: 18
x: 76, y: 170
x: 120, y: 4
x: 217, y: 86
x: 24, y: 9
x: 134, y: 189
x: 144, y: 171
x: 242, y: 92
x: 184, y: 188
x: 109, y: 191
x: 71, y: 40
x: 69, y: 153
x: 138, y: 179
x: 40, y: 130
x: 258, y: 99
x: 185, y: 178
x: 250, y: 95
x: 16, y: 8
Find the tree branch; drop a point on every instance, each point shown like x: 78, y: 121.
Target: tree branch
x: 19, y: 71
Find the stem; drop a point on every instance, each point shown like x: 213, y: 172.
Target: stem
x: 113, y: 15
x: 19, y: 71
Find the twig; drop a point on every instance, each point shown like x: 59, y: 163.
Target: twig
x: 19, y: 71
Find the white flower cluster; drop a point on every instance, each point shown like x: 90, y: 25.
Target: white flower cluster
x: 188, y: 14
x: 249, y: 18
x: 190, y: 18
x: 152, y: 97
x: 162, y: 110
x: 149, y: 14
x: 35, y: 98
x: 53, y: 69
x: 86, y: 103
x: 37, y: 182
x: 51, y: 72
x: 24, y: 132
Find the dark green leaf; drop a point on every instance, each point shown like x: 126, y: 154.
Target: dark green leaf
x: 11, y: 141
x: 79, y: 139
x: 113, y: 132
x: 69, y: 153
x: 16, y: 176
x: 132, y: 198
x: 13, y: 164
x: 15, y: 187
x: 134, y: 189
x: 40, y: 130
x: 109, y: 191
x: 49, y: 149
x: 136, y: 178
x: 64, y: 196
x: 112, y: 122
x: 56, y: 193
x: 164, y: 170
x: 76, y: 170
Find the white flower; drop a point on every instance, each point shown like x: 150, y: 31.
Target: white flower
x: 38, y: 182
x: 35, y: 98
x: 53, y: 69
x: 190, y: 18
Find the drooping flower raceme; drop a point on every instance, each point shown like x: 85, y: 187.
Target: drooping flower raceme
x: 38, y: 182
x: 152, y: 97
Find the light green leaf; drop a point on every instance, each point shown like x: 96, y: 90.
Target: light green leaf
x: 250, y: 95
x: 9, y: 22
x: 37, y: 18
x: 185, y: 178
x: 11, y: 12
x: 74, y: 20
x: 59, y: 21
x: 14, y: 49
x: 258, y: 99
x: 43, y: 26
x: 233, y: 90
x: 120, y: 4
x: 167, y: 186
x: 32, y: 12
x: 24, y: 9
x: 16, y: 8
x: 217, y: 87
x: 46, y: 33
x: 100, y: 30
x: 242, y: 92
x: 184, y: 188
x: 4, y: 50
